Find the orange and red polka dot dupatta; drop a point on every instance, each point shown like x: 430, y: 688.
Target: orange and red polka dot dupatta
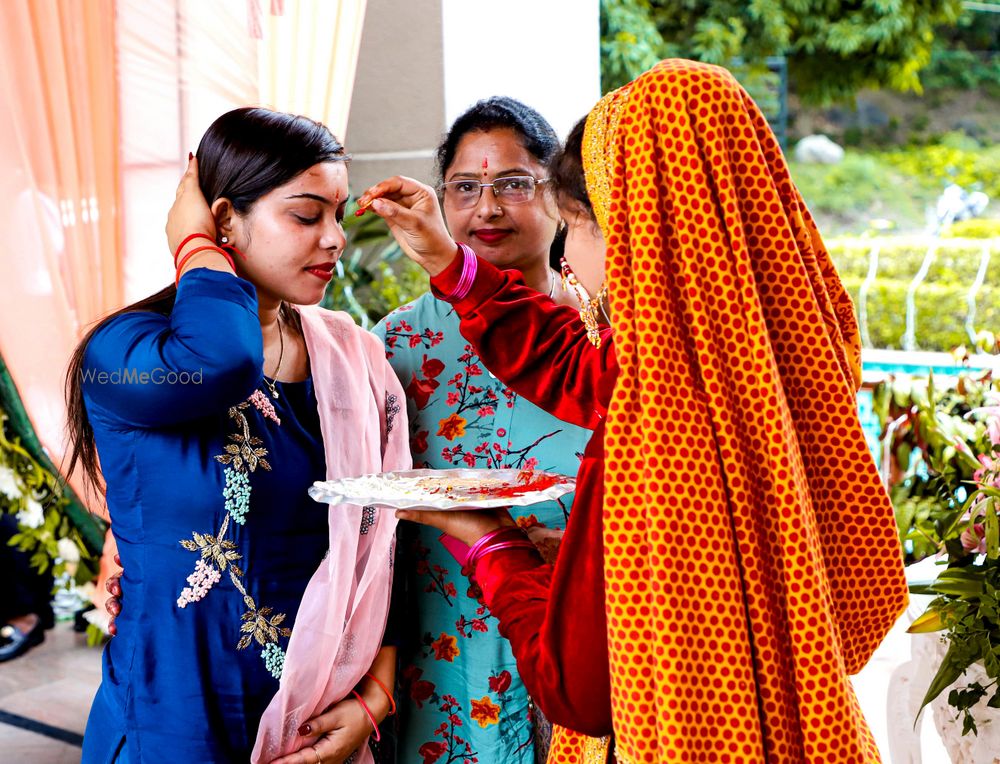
x: 751, y: 556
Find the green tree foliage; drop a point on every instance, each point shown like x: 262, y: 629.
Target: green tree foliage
x: 966, y: 56
x: 834, y: 47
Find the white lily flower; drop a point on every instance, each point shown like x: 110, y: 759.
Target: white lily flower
x: 10, y: 486
x: 68, y: 550
x: 33, y: 514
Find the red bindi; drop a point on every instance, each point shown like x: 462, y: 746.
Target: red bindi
x: 486, y: 163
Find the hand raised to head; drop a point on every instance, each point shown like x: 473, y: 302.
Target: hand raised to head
x: 190, y: 212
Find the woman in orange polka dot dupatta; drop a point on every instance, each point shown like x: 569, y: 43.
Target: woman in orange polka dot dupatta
x: 731, y: 556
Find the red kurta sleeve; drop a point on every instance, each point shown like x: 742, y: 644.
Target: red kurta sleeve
x: 553, y: 616
x: 538, y: 348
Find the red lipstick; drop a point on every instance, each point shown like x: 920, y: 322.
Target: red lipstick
x: 324, y: 272
x: 492, y: 235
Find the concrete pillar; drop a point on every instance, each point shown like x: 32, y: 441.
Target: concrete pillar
x: 423, y: 62
x: 397, y: 108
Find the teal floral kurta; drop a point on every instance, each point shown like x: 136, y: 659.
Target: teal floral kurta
x: 461, y: 697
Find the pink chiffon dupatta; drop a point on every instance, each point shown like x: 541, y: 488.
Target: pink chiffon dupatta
x: 339, y: 626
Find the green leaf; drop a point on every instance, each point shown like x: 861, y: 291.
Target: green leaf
x: 965, y: 590
x: 965, y: 699
x: 969, y: 724
x: 931, y: 397
x: 930, y: 621
x: 906, y: 512
x: 994, y: 702
x: 948, y: 672
x: 964, y: 574
x: 903, y: 452
x: 95, y: 636
x: 992, y: 530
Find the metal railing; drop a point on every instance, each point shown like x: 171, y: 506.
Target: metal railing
x: 876, y: 256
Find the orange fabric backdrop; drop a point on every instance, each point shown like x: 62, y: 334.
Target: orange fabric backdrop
x: 59, y: 192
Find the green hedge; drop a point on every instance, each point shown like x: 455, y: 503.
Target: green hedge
x: 940, y: 299
x: 956, y: 262
x: 957, y: 159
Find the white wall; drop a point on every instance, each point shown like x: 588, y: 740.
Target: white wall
x: 552, y: 60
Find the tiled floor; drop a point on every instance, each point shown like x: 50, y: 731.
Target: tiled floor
x: 52, y: 684
x: 55, y: 682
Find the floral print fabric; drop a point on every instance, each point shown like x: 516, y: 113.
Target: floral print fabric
x: 462, y: 699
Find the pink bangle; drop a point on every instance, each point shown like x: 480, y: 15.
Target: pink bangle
x: 368, y: 713
x: 525, y: 544
x: 457, y: 549
x: 469, y: 267
x: 483, y: 541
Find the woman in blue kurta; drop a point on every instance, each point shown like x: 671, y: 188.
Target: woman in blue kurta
x: 462, y: 698
x: 165, y: 460
x: 203, y: 406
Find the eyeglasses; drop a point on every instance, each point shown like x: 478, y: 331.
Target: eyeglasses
x: 513, y: 189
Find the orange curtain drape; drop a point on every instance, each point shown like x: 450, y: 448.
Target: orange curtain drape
x: 102, y: 101
x: 60, y: 252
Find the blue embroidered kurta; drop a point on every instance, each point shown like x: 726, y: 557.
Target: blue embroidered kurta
x: 463, y: 698
x: 217, y: 535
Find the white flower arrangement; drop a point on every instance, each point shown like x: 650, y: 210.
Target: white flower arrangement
x: 34, y: 495
x: 9, y: 485
x: 33, y: 514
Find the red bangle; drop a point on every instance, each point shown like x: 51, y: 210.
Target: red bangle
x: 392, y: 702
x: 192, y: 236
x: 194, y: 252
x: 371, y: 717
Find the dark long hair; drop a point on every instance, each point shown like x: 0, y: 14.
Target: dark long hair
x: 245, y: 154
x: 566, y: 169
x: 570, y: 184
x: 537, y: 135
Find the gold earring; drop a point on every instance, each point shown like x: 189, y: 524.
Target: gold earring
x: 589, y: 315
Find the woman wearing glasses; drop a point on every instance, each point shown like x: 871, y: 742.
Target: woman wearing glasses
x: 458, y: 671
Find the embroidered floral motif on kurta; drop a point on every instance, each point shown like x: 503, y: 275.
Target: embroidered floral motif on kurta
x: 243, y: 455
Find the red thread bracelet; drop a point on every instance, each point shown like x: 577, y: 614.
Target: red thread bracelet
x: 235, y: 249
x: 186, y: 240
x: 368, y: 713
x: 194, y: 252
x: 392, y: 702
